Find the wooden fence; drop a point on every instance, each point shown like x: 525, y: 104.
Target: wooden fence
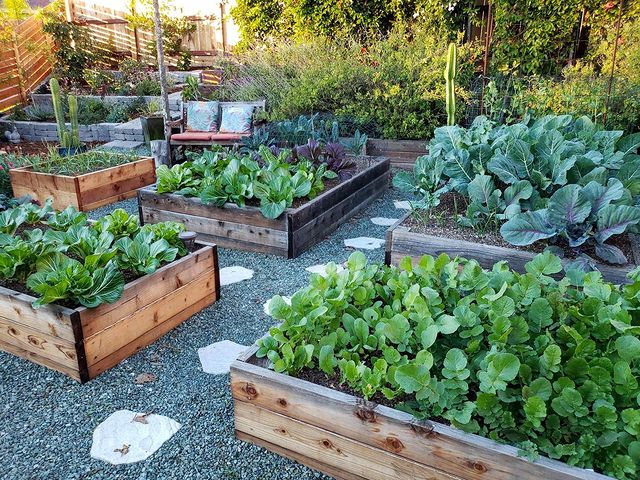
x: 106, y: 21
x: 24, y: 60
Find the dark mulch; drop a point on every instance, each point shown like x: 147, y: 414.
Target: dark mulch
x: 442, y: 222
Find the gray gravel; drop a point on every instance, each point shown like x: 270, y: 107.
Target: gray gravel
x: 48, y: 419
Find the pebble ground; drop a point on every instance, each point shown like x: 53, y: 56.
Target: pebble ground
x: 47, y: 420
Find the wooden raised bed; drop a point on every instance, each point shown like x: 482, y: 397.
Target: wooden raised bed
x: 296, y: 230
x: 82, y: 342
x: 402, y: 242
x: 87, y: 191
x: 348, y: 438
x: 402, y: 153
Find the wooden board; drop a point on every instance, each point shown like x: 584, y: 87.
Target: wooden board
x: 402, y: 153
x: 83, y: 343
x: 87, y: 191
x: 295, y: 231
x: 401, y: 242
x: 340, y: 435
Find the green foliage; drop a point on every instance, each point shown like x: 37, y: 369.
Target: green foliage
x: 175, y: 28
x: 447, y: 339
x: 81, y: 163
x: 75, y: 263
x: 390, y: 87
x: 74, y: 50
x: 270, y: 176
x: 553, y: 178
x: 269, y: 20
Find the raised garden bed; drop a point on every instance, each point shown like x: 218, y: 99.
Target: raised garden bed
x: 83, y: 342
x: 402, y: 153
x: 288, y: 235
x: 86, y: 191
x: 348, y: 438
x: 402, y: 242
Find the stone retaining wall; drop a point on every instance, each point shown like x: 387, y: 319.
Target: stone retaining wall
x: 44, y: 101
x: 100, y: 132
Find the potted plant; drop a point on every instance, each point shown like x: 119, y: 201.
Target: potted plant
x: 152, y: 122
x: 69, y: 139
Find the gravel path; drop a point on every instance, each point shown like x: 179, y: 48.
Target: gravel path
x: 48, y: 419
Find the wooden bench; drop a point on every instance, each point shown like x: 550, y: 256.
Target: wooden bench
x: 204, y: 139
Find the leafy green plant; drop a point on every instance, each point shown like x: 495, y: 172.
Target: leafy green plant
x: 78, y: 164
x: 581, y: 216
x: 518, y: 173
x: 118, y: 223
x: 269, y: 175
x: 76, y: 263
x: 141, y: 254
x: 60, y: 278
x: 547, y: 365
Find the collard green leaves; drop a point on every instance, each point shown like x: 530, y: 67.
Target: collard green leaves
x: 520, y: 358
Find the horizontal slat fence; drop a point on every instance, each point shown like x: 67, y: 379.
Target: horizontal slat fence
x: 24, y: 61
x: 106, y: 21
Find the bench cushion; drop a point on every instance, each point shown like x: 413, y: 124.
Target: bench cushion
x: 236, y: 118
x: 207, y: 136
x: 192, y: 136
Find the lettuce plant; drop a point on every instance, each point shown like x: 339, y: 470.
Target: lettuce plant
x: 549, y: 365
x: 143, y: 255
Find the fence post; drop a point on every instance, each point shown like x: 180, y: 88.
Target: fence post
x: 223, y: 23
x: 136, y: 37
x: 68, y: 10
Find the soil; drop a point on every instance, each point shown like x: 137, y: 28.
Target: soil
x: 443, y: 223
x: 35, y: 148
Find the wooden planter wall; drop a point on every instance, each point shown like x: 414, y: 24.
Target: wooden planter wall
x: 402, y: 242
x: 296, y: 230
x: 82, y: 343
x: 402, y: 153
x: 84, y: 192
x: 348, y: 438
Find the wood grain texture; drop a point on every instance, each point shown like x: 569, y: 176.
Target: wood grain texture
x: 402, y: 153
x: 87, y: 191
x: 342, y: 454
x: 389, y: 432
x: 296, y: 230
x: 83, y: 343
x: 402, y: 242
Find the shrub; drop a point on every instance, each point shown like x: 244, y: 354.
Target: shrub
x: 396, y: 84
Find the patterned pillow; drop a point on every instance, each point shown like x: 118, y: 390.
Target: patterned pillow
x: 202, y: 116
x: 236, y: 118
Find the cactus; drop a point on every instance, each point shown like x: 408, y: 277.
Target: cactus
x: 67, y: 139
x: 449, y: 77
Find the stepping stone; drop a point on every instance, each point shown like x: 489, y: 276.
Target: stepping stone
x: 366, y: 243
x: 384, y: 221
x: 218, y: 357
x: 402, y: 205
x: 321, y: 269
x: 235, y: 274
x: 268, y: 303
x: 129, y: 437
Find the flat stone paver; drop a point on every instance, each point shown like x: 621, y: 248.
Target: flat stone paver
x: 218, y: 357
x: 129, y: 437
x: 365, y: 243
x: 234, y: 274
